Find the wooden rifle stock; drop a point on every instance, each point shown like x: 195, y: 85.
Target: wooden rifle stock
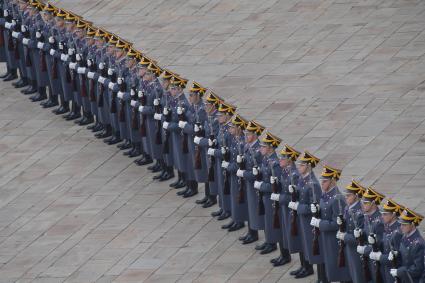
x: 341, y: 244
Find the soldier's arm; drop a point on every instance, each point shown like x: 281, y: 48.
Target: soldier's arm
x: 417, y: 267
x: 330, y: 225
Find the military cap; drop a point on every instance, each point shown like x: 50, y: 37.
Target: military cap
x: 91, y: 31
x: 392, y: 207
x: 113, y: 39
x: 372, y: 195
x: 355, y: 188
x: 271, y: 140
x: 49, y: 7
x: 178, y: 81
x: 197, y: 88
x: 214, y: 99
x: 61, y: 13
x: 132, y: 52
x: 226, y: 108
x: 144, y: 61
x: 71, y: 17
x: 40, y: 7
x: 34, y: 3
x: 308, y: 158
x: 154, y: 68
x: 101, y: 33
x: 166, y: 74
x: 408, y: 216
x: 83, y: 24
x: 124, y: 44
x: 255, y: 128
x: 329, y: 172
x: 239, y: 121
x: 290, y: 152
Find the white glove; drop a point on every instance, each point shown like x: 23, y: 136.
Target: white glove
x: 7, y: 25
x: 293, y: 205
x: 156, y: 102
x: 240, y: 173
x: 110, y: 71
x: 111, y: 85
x: 90, y: 75
x: 165, y: 125
x: 273, y: 179
x: 291, y: 188
x: 64, y: 57
x: 393, y: 272
x: 196, y: 128
x: 239, y: 158
x: 165, y: 111
x: 223, y: 150
x: 275, y: 197
x: 101, y: 79
x: 360, y: 249
x: 254, y: 171
x: 15, y: 34
x: 141, y: 107
x: 211, y: 151
x: 72, y: 65
x: 197, y: 140
x: 392, y: 255
x: 257, y: 185
x: 25, y: 41
x: 157, y: 116
x: 370, y: 240
x: 340, y: 235
x: 338, y: 220
x: 313, y: 208
x: 120, y: 94
x: 179, y: 110
x: 357, y: 232
x: 315, y: 222
x: 182, y: 124
x: 40, y: 45
x: 375, y: 256
x: 133, y: 103
x: 52, y: 52
x: 210, y: 142
x: 81, y: 70
x: 224, y: 164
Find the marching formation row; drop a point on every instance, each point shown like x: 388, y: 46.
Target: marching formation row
x: 95, y: 77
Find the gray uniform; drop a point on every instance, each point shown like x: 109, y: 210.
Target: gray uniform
x: 329, y: 210
x: 373, y: 224
x: 391, y: 241
x: 167, y: 147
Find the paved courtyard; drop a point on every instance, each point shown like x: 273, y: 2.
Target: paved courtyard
x: 343, y: 79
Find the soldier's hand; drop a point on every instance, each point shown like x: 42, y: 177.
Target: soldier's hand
x: 357, y: 232
x: 315, y: 222
x: 179, y: 110
x: 165, y: 111
x: 196, y: 128
x: 240, y: 173
x: 393, y: 272
x: 90, y: 75
x: 339, y: 220
x: 239, y: 158
x: 257, y: 185
x: 361, y: 249
x: 223, y: 150
x: 165, y: 125
x: 291, y: 188
x: 392, y: 255
x: 182, y: 124
x: 210, y: 151
x: 273, y: 179
x: 197, y: 140
x: 275, y: 197
x: 224, y: 164
x: 376, y: 256
x: 156, y: 102
x: 157, y: 116
x: 255, y: 171
x: 210, y: 142
x: 314, y: 208
x: 52, y: 52
x: 371, y: 239
x: 293, y: 205
x: 340, y: 235
x: 141, y: 107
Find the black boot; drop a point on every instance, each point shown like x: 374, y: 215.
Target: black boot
x: 228, y: 225
x: 22, y: 82
x: 51, y: 102
x: 182, y: 182
x: 299, y: 269
x: 212, y: 200
x: 169, y: 174
x: 223, y: 216
x: 2, y: 76
x: 182, y: 192
x: 270, y: 247
x: 107, y: 132
x: 193, y: 190
x: 137, y: 150
x: 284, y: 257
x: 41, y: 95
x: 205, y: 198
x: 146, y: 159
x: 251, y: 237
x: 321, y: 274
x: 261, y: 247
x: 12, y: 75
x: 97, y: 128
x: 236, y: 226
x: 75, y: 113
x: 179, y: 175
x: 306, y: 271
x: 87, y: 119
x: 128, y: 152
x: 115, y: 139
x: 217, y: 213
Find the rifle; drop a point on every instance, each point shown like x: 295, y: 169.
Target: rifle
x: 142, y: 98
x: 241, y: 182
x: 294, y: 198
x: 211, y: 169
x: 122, y: 88
x: 375, y: 248
x: 167, y: 112
x: 316, y: 231
x: 10, y: 45
x: 199, y: 133
x: 226, y: 157
x: 113, y: 108
x: 182, y: 117
x: 157, y: 105
x: 394, y: 262
x: 364, y: 258
x: 72, y: 72
x: 258, y: 177
x: 342, y: 229
x: 28, y: 61
x: 276, y: 205
x: 43, y: 64
x: 92, y: 95
x: 83, y: 80
x: 104, y: 74
x: 134, y: 110
x: 17, y: 28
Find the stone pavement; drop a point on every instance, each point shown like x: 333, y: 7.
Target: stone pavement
x: 343, y: 79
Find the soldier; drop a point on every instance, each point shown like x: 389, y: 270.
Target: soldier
x: 210, y: 133
x: 7, y: 35
x: 331, y: 205
x: 270, y: 167
x: 220, y: 153
x: 238, y: 202
x: 306, y: 192
x: 408, y: 262
x: 373, y: 229
x: 22, y: 12
x: 179, y: 105
x: 351, y: 220
x: 391, y: 238
x: 252, y: 157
